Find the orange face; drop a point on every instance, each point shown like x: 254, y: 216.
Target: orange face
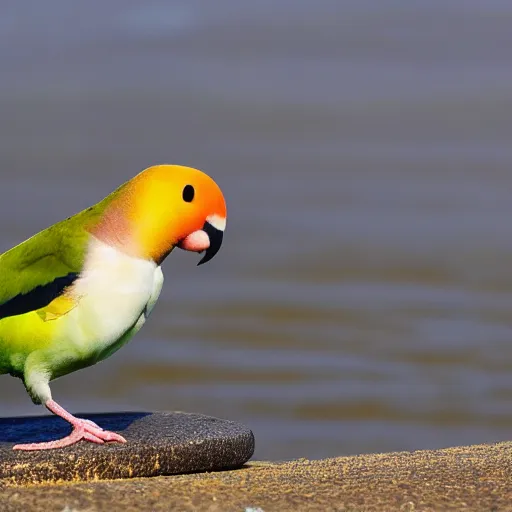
x: 167, y: 206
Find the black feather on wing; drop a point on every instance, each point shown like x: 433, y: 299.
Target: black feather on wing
x: 38, y: 297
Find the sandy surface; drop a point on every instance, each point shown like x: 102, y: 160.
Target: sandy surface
x: 467, y: 478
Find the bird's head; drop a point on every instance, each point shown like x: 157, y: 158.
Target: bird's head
x: 164, y: 207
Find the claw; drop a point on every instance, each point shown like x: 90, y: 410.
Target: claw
x: 82, y: 429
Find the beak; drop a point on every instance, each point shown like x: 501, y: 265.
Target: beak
x: 215, y: 235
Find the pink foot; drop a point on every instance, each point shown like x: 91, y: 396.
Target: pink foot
x: 82, y: 429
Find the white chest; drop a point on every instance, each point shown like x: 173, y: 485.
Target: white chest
x: 115, y: 293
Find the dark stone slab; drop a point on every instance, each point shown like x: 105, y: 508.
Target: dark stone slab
x: 163, y: 443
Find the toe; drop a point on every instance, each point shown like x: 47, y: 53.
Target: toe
x: 92, y: 424
x: 112, y: 436
x: 92, y: 438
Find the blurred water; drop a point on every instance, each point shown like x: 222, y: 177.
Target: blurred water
x: 363, y: 297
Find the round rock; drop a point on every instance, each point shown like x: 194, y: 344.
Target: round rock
x: 162, y: 443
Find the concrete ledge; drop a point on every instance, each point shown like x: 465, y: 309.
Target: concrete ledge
x: 469, y: 478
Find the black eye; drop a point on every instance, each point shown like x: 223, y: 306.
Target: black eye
x: 188, y: 193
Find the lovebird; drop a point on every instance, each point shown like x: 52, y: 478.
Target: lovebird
x: 75, y: 293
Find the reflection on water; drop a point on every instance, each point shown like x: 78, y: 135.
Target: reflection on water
x: 362, y: 300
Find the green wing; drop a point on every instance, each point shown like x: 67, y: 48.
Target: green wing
x: 38, y: 270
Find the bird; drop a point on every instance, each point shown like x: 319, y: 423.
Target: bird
x: 76, y: 292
